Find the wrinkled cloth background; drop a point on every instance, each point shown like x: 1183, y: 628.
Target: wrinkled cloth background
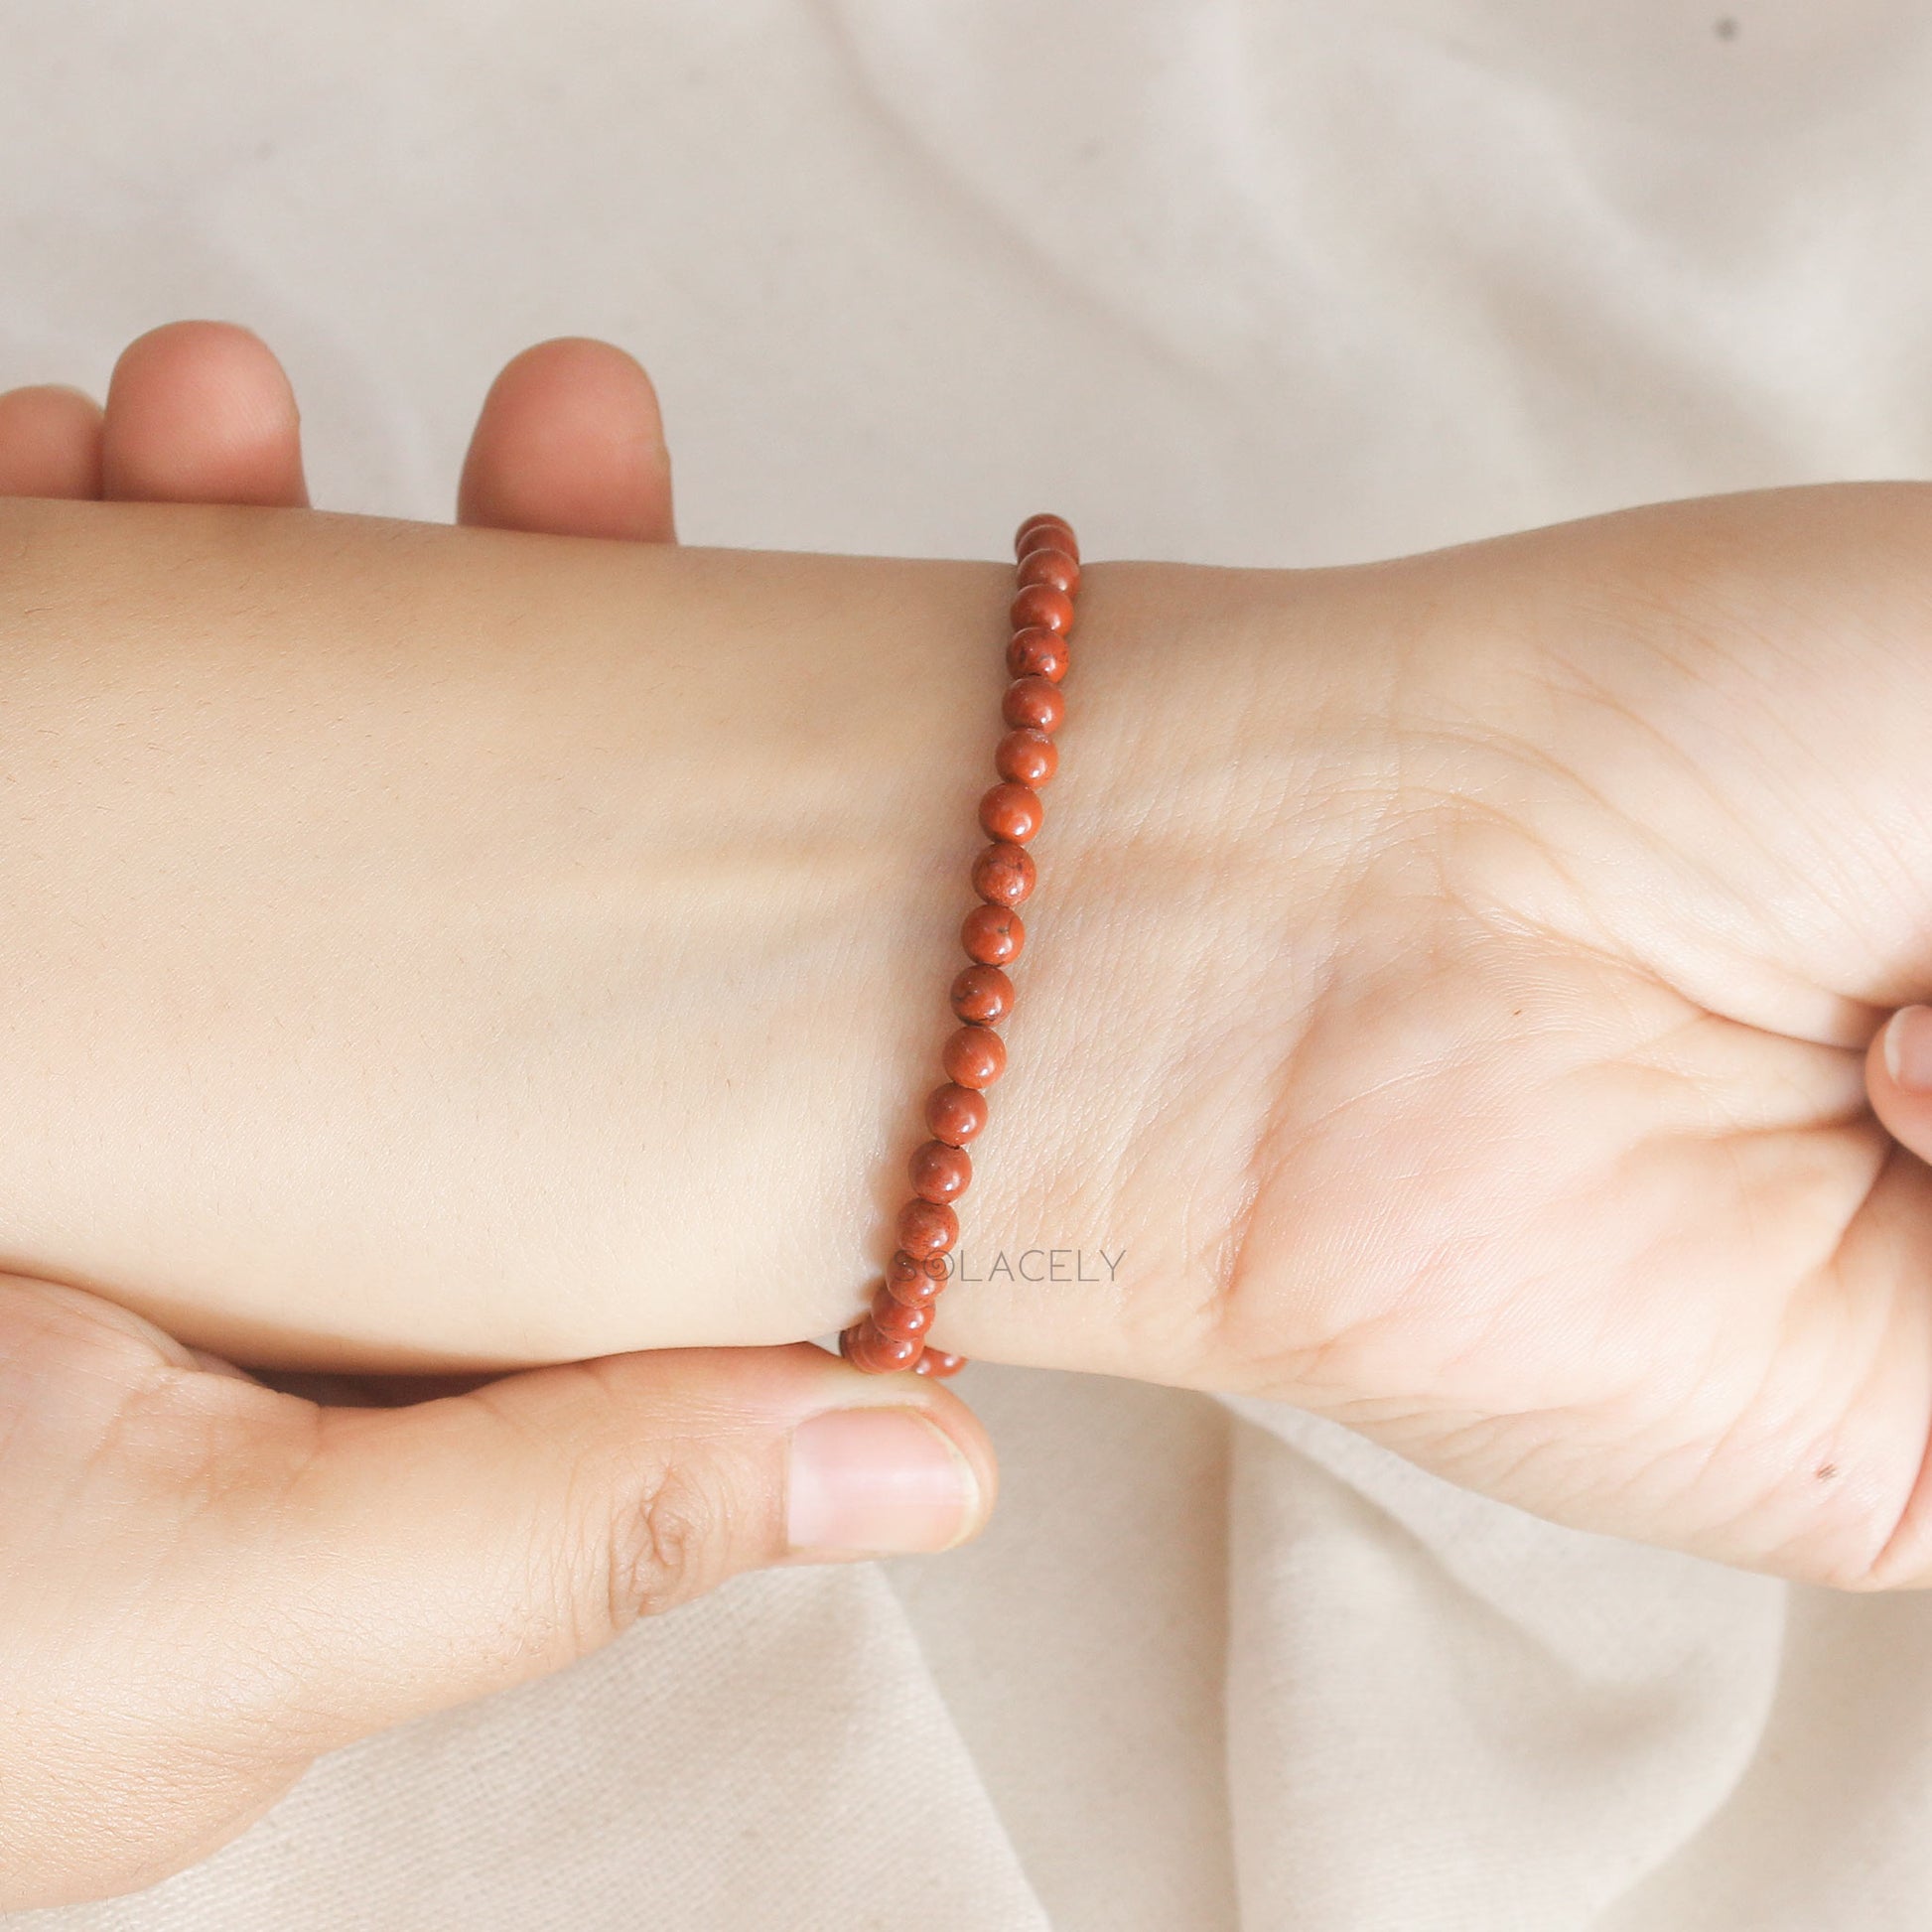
x: 1289, y: 283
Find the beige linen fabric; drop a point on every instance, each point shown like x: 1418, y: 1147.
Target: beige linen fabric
x: 1298, y: 282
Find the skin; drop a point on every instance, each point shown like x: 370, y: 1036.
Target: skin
x: 1487, y: 947
x: 1453, y: 987
x: 168, y: 1523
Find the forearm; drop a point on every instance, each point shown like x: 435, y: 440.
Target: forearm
x: 432, y: 946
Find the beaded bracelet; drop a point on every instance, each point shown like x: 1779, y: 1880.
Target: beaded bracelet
x: 892, y: 1334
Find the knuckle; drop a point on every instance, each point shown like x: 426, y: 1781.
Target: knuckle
x: 668, y: 1545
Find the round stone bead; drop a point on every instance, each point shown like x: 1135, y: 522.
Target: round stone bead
x: 865, y: 1348
x: 928, y: 1227
x: 1039, y: 605
x: 982, y: 995
x: 1033, y: 704
x: 992, y: 935
x: 1026, y: 758
x: 1004, y: 875
x: 1042, y: 529
x: 915, y: 1282
x: 940, y: 1172
x: 938, y: 1363
x: 897, y: 1320
x: 1048, y: 564
x: 1011, y: 812
x: 1037, y: 653
x: 974, y: 1056
x: 955, y: 1115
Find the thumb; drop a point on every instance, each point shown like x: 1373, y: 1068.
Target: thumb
x: 1898, y: 1079
x: 427, y: 1556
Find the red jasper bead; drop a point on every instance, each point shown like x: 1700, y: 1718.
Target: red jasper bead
x: 1011, y: 812
x: 1037, y: 653
x: 982, y: 995
x: 974, y: 1056
x: 1033, y: 704
x: 939, y: 1364
x: 897, y: 1319
x: 1004, y: 875
x: 928, y: 1227
x: 940, y: 1172
x: 1040, y: 605
x: 954, y: 1114
x: 865, y: 1348
x: 992, y: 935
x: 915, y: 1282
x: 1028, y: 758
x: 1048, y: 564
x: 1045, y: 529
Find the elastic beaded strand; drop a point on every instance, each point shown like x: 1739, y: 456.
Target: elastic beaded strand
x: 890, y: 1335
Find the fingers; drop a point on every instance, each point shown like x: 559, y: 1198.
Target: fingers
x: 438, y: 1552
x: 49, y: 443
x: 197, y: 412
x: 570, y: 439
x: 570, y: 443
x: 201, y: 412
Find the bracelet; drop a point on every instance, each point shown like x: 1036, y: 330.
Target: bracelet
x: 892, y: 1334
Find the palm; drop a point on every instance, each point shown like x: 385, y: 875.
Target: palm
x: 1580, y: 1184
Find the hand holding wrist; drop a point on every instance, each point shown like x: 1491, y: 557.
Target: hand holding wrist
x: 1436, y: 1005
x: 378, y: 1557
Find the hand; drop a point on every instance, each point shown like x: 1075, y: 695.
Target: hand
x: 206, y: 1582
x: 1497, y: 1085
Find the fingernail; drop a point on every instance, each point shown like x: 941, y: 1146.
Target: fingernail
x: 880, y: 1480
x: 1908, y: 1048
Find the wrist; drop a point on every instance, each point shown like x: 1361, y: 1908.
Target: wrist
x: 1225, y: 801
